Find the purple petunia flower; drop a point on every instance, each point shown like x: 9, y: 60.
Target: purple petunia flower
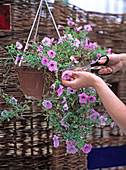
x: 19, y: 45
x: 4, y: 113
x: 64, y: 100
x: 51, y: 53
x: 71, y: 90
x: 94, y: 115
x: 83, y: 98
x: 65, y: 107
x: 47, y: 104
x: 60, y: 90
x: 88, y: 28
x: 70, y: 23
x: 63, y: 124
x: 56, y: 141
x: 52, y: 66
x: 91, y: 98
x: 87, y: 148
x: 13, y: 100
x: 71, y: 148
x: 45, y: 61
x: 112, y: 124
x: 66, y: 75
x: 102, y: 120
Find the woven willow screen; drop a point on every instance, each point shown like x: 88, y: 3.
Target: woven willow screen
x: 27, y: 143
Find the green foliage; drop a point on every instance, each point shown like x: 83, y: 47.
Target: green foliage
x: 70, y: 116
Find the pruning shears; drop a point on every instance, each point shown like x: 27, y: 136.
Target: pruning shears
x: 93, y: 67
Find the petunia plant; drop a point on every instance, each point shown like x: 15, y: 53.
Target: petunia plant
x: 71, y: 112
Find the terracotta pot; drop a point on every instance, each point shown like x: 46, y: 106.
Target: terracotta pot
x: 31, y: 81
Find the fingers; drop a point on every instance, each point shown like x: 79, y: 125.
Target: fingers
x: 105, y: 70
x: 102, y: 60
x: 68, y: 82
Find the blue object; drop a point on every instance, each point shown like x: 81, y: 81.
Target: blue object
x: 106, y: 157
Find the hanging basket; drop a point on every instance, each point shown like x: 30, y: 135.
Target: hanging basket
x: 31, y: 81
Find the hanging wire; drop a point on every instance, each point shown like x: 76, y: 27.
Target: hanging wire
x: 53, y: 19
x: 38, y: 12
x: 31, y: 30
x: 38, y: 24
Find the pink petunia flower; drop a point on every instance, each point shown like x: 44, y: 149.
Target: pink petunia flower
x: 77, y: 43
x: 52, y: 66
x: 60, y: 40
x: 56, y: 141
x: 87, y: 148
x: 70, y: 36
x: 51, y: 53
x: 109, y: 51
x: 91, y: 98
x: 66, y: 75
x: 47, y: 41
x: 73, y: 59
x: 91, y: 46
x: 28, y: 45
x: 19, y: 45
x: 53, y: 86
x: 70, y: 23
x: 88, y: 27
x: 64, y: 100
x: 99, y: 55
x: 40, y: 54
x: 71, y: 90
x: 65, y: 107
x: 60, y: 90
x: 47, y: 104
x: 78, y: 28
x: 60, y: 26
x: 40, y: 48
x: 83, y: 98
x: 45, y: 61
x: 17, y: 59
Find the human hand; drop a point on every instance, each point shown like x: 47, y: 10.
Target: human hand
x: 114, y: 63
x: 80, y: 79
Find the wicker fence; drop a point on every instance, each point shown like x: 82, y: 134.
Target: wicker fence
x: 27, y: 143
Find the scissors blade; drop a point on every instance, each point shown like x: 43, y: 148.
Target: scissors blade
x: 85, y: 68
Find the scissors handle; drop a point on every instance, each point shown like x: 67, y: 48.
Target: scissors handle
x: 96, y: 63
x: 96, y: 70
